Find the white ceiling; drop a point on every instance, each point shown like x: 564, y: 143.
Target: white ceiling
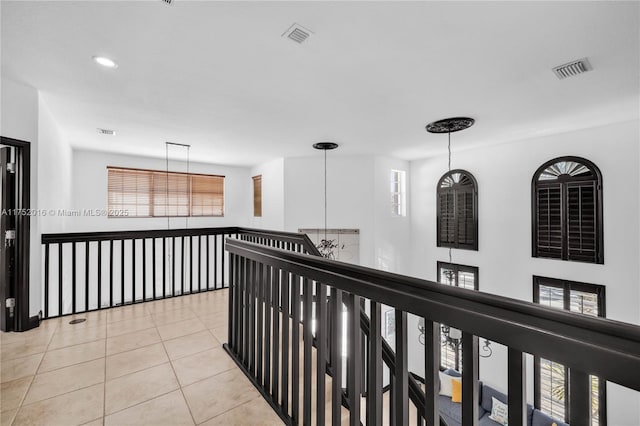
x: 219, y: 76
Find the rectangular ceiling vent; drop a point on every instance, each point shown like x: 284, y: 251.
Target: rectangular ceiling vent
x: 107, y: 132
x: 572, y: 68
x: 297, y: 33
x: 167, y: 1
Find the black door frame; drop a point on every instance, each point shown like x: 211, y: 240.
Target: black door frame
x: 23, y: 233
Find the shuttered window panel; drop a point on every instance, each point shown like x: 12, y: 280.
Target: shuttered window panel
x: 567, y: 222
x: 550, y: 223
x: 457, y: 211
x: 581, y: 221
x: 551, y: 380
x: 257, y: 196
x: 155, y: 193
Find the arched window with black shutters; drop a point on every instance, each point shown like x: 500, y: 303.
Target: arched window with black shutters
x: 567, y: 210
x: 457, y: 213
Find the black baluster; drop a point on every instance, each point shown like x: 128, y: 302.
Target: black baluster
x: 284, y: 279
x: 402, y: 372
x: 122, y: 272
x: 60, y: 294
x: 517, y: 388
x: 133, y: 271
x: 321, y: 342
x: 110, y: 273
x: 579, y: 397
x: 431, y: 369
x: 336, y: 357
x: 268, y: 300
x: 46, y: 280
x: 99, y: 274
x: 73, y: 277
x: 374, y: 381
x: 144, y: 269
x: 86, y: 276
x: 215, y: 262
x: 354, y: 359
x: 307, y: 337
x: 469, y: 379
x: 275, y: 341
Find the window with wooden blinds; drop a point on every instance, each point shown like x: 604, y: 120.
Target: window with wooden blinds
x: 457, y: 211
x: 567, y: 211
x: 155, y: 193
x: 257, y: 196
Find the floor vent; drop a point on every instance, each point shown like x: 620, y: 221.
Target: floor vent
x: 572, y: 68
x: 297, y: 33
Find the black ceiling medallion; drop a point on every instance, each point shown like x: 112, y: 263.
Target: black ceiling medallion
x: 325, y: 145
x: 450, y: 125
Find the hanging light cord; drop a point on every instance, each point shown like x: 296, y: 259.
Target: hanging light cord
x: 325, y: 195
x: 166, y: 200
x: 186, y: 221
x: 449, y: 151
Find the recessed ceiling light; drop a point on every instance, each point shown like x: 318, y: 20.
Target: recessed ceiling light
x: 105, y: 62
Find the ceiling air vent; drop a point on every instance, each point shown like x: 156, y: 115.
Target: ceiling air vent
x: 297, y: 33
x: 167, y: 1
x: 107, y: 132
x: 572, y: 68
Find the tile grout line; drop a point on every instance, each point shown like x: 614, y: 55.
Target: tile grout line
x: 233, y: 408
x: 20, y: 405
x: 104, y: 386
x: 179, y: 385
x: 58, y: 330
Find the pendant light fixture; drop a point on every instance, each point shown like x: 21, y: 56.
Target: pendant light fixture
x: 325, y: 246
x: 448, y: 126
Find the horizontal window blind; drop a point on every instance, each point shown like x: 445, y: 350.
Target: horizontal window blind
x: 155, y: 193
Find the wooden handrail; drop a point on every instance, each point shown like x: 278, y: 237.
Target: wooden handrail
x: 607, y: 348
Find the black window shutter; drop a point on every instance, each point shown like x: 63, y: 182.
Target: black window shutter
x: 465, y: 220
x: 457, y: 211
x: 549, y: 221
x: 446, y: 219
x: 581, y: 221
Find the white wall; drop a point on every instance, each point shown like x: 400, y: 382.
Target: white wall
x: 54, y: 170
x: 19, y: 120
x: 504, y: 174
x: 392, y: 234
x: 350, y: 195
x: 89, y: 191
x: 272, y: 174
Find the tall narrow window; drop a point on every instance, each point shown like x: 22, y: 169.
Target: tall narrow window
x: 457, y: 211
x: 398, y: 193
x: 457, y: 276
x: 567, y: 211
x: 257, y: 196
x: 156, y: 193
x: 551, y: 383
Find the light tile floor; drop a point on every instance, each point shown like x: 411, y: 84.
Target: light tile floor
x: 156, y: 363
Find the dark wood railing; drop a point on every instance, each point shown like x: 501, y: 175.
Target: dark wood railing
x: 89, y: 271
x: 278, y: 279
x: 273, y: 291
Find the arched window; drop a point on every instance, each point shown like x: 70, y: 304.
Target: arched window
x: 567, y: 210
x: 457, y: 213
